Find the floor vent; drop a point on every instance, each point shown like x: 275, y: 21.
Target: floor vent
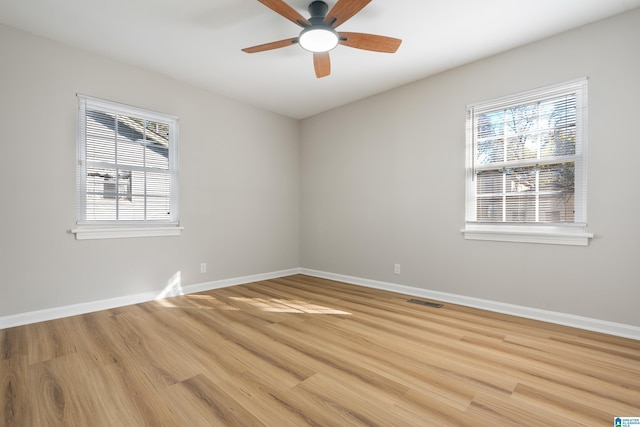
x: 427, y: 303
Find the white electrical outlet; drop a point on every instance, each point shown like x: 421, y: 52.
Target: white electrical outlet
x: 396, y: 268
x: 203, y: 267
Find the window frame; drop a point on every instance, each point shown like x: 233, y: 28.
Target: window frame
x: 118, y: 228
x: 568, y: 233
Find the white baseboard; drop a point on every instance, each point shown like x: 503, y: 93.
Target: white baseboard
x: 88, y: 307
x: 586, y: 323
x: 611, y: 328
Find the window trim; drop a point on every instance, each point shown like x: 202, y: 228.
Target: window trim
x: 565, y: 234
x: 546, y: 233
x: 86, y: 230
x: 118, y: 232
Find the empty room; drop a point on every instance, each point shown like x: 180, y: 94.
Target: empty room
x: 340, y: 213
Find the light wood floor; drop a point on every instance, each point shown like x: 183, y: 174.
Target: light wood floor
x: 302, y: 351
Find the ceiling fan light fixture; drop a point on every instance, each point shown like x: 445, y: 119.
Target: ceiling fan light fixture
x: 318, y: 33
x: 318, y: 38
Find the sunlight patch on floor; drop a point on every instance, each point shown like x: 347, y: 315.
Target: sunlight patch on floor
x: 287, y: 306
x: 199, y: 301
x: 208, y: 302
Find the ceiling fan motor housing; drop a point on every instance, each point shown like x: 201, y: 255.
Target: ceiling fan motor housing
x: 318, y: 10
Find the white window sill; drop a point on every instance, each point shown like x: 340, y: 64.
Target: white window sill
x: 547, y: 234
x: 119, y: 232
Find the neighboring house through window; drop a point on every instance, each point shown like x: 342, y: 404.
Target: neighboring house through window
x: 127, y: 182
x: 526, y: 167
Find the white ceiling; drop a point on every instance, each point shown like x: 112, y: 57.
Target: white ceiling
x: 199, y: 41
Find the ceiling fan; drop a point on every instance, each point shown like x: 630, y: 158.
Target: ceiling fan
x: 318, y: 33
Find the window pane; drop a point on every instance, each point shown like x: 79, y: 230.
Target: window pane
x: 130, y: 153
x: 130, y: 128
x: 158, y: 184
x: 559, y: 142
x: 137, y: 182
x: 557, y: 189
x: 101, y: 137
x: 490, y: 124
x: 520, y: 180
x: 101, y: 194
x: 490, y: 182
x: 490, y: 151
x: 489, y: 209
x: 158, y: 208
x: 100, y: 209
x: 520, y: 203
x: 124, y: 185
x: 557, y: 208
x: 157, y: 156
x: 102, y: 182
x: 520, y: 208
x: 157, y: 129
x: 523, y: 147
x: 560, y: 112
x: 131, y: 210
x: 520, y: 119
x: 558, y: 178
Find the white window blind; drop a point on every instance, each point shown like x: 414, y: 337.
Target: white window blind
x: 526, y: 163
x: 127, y: 166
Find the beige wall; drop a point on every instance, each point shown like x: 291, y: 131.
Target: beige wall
x: 351, y: 191
x: 383, y: 182
x: 239, y: 192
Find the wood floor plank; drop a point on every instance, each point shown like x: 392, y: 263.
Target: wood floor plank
x: 14, y: 407
x: 48, y: 340
x: 270, y: 402
x: 201, y: 402
x: 305, y: 351
x: 580, y: 406
x: 501, y: 411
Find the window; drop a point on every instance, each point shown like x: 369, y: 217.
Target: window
x: 127, y: 182
x: 526, y: 167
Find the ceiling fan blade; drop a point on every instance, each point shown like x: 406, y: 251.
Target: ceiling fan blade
x: 343, y: 10
x: 287, y: 11
x: 370, y: 42
x: 270, y: 46
x: 322, y: 64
